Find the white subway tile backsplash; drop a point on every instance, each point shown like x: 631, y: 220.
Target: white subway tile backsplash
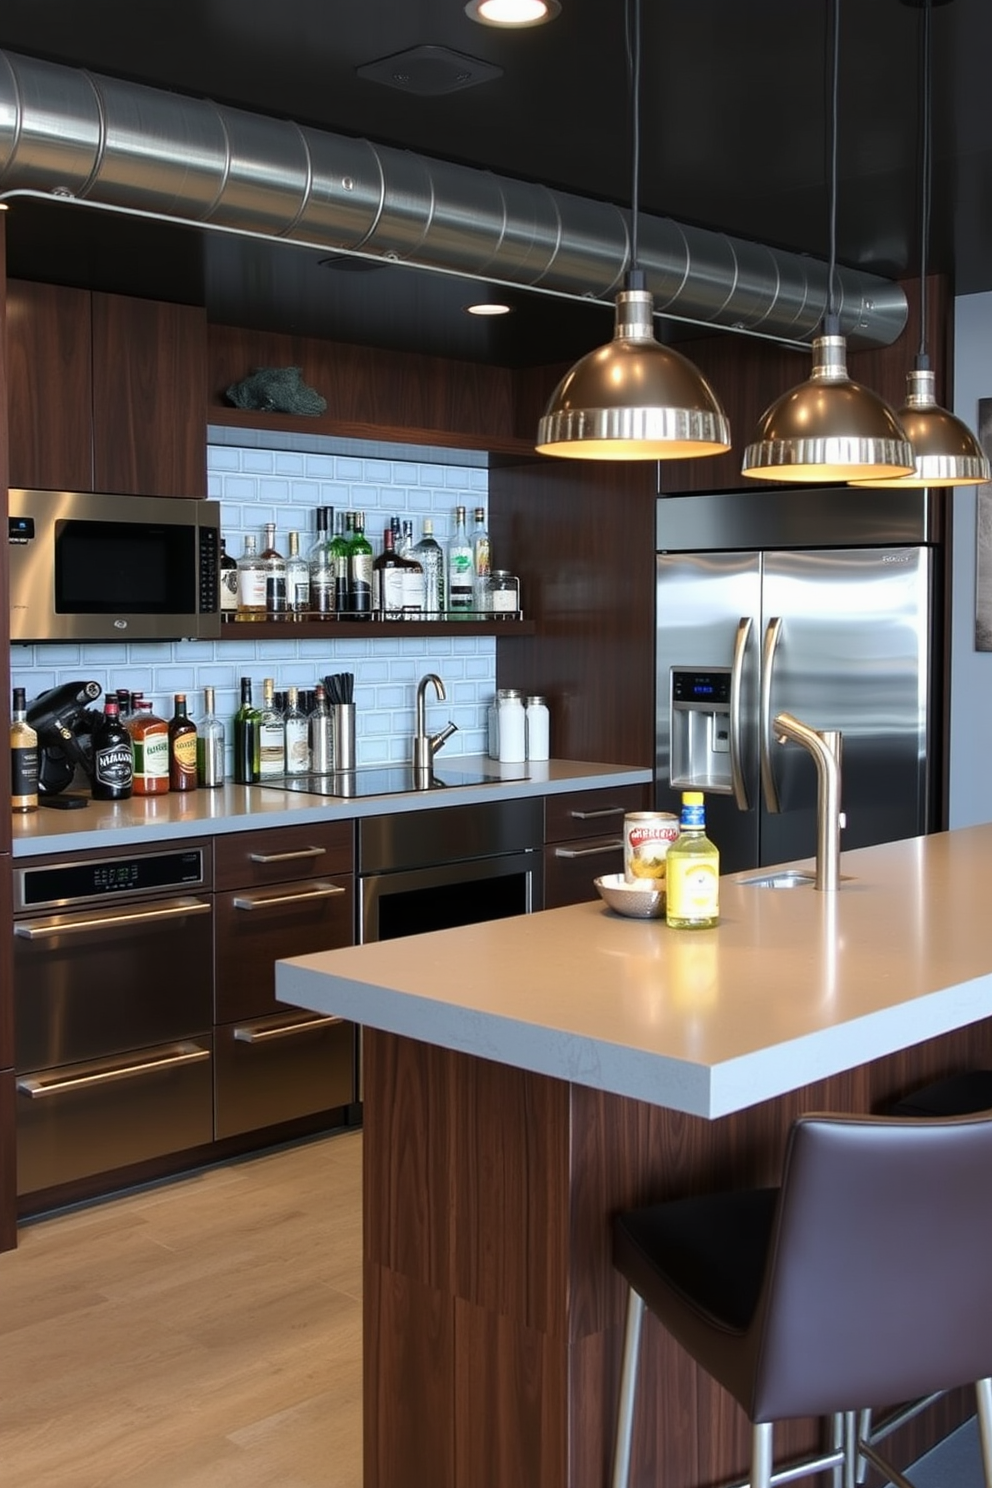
x: 261, y: 477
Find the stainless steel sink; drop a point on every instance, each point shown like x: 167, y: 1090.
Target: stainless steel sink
x: 784, y: 878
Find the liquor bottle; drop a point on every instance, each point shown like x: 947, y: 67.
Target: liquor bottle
x: 692, y: 871
x: 359, y: 572
x: 274, y: 567
x: 23, y: 757
x: 209, y: 744
x: 388, y: 580
x: 123, y: 703
x: 429, y: 554
x: 297, y: 735
x: 251, y: 582
x: 480, y: 561
x: 271, y: 735
x: 321, y: 734
x: 321, y: 563
x: 460, y: 596
x: 246, y: 738
x: 182, y: 747
x: 113, y: 761
x: 228, y: 583
x: 340, y: 545
x: 405, y: 546
x: 150, y: 743
x: 297, y: 580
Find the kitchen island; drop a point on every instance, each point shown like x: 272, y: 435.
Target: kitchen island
x: 525, y: 1079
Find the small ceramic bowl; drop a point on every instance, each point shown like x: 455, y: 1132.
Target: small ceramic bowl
x: 639, y: 901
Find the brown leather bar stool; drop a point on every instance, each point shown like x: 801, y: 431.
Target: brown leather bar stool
x: 864, y: 1278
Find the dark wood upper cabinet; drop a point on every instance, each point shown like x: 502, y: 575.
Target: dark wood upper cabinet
x: 106, y: 392
x: 149, y: 397
x: 49, y: 387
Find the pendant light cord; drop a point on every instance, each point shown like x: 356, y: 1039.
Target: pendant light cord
x: 926, y: 155
x: 633, y: 17
x: 831, y: 325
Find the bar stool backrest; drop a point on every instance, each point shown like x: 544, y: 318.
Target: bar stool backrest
x: 879, y: 1281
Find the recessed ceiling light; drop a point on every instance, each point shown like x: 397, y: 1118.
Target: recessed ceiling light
x: 488, y: 307
x: 512, y: 12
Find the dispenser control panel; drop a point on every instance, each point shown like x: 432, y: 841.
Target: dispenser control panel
x: 709, y: 690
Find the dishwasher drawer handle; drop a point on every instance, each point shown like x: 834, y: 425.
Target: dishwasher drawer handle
x: 44, y: 929
x: 323, y: 891
x: 287, y: 857
x: 249, y: 1035
x: 35, y: 1088
x: 600, y: 811
x: 589, y: 852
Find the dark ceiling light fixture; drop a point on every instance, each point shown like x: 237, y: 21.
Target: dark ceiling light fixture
x: 516, y: 13
x: 945, y: 451
x: 633, y: 399
x: 829, y: 428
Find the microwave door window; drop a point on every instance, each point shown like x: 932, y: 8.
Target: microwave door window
x: 107, y: 568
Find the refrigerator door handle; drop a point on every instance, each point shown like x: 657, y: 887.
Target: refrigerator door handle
x: 737, y: 781
x: 772, y: 636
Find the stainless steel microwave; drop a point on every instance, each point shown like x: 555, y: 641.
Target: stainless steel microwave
x: 85, y: 566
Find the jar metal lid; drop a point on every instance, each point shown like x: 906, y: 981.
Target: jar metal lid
x: 537, y: 699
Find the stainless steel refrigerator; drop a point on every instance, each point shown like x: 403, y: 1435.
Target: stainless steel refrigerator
x: 815, y: 602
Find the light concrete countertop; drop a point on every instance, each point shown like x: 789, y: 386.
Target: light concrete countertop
x: 792, y: 986
x: 240, y: 808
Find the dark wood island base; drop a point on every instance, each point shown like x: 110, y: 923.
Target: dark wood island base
x: 493, y: 1316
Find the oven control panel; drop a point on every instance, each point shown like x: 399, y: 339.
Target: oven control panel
x: 91, y: 880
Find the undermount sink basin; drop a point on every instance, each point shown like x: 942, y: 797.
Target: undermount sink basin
x: 785, y: 878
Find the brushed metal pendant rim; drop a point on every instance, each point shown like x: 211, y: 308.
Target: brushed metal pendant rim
x: 946, y: 452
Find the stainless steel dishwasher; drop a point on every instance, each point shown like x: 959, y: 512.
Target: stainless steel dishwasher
x: 113, y: 964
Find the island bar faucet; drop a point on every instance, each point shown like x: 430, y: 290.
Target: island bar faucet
x: 825, y: 747
x: 425, y: 745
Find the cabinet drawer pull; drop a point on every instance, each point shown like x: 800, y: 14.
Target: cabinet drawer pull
x: 321, y: 891
x: 249, y: 1034
x: 185, y: 1054
x: 600, y: 811
x: 40, y: 929
x: 287, y: 857
x: 589, y: 852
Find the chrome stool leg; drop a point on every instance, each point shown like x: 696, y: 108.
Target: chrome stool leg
x: 761, y: 1455
x: 983, y: 1394
x: 628, y: 1389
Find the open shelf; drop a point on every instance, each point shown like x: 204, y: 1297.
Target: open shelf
x: 314, y: 629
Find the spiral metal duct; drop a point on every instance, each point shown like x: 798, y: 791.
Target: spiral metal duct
x: 134, y: 148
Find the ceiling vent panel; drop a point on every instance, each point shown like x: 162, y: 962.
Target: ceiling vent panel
x: 429, y: 71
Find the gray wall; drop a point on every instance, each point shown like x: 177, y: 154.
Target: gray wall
x: 970, y: 796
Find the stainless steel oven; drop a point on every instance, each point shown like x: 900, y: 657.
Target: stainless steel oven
x: 457, y: 865
x: 113, y: 967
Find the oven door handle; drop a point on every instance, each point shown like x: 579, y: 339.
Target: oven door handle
x: 287, y: 857
x: 174, y: 909
x: 248, y: 1033
x: 183, y: 1054
x: 589, y: 852
x: 323, y: 891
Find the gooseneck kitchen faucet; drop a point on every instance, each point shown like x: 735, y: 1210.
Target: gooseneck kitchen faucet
x: 425, y: 745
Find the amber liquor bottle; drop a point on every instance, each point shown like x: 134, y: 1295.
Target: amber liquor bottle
x: 182, y: 747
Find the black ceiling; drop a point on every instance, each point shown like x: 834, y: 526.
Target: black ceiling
x: 733, y: 138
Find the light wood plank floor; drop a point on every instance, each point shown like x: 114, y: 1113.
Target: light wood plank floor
x: 205, y: 1333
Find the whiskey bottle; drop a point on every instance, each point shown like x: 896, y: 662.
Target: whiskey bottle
x: 209, y: 744
x: 23, y: 758
x: 321, y: 564
x: 388, y: 580
x: 297, y: 580
x: 150, y: 743
x: 113, y: 761
x: 246, y: 741
x: 182, y: 747
x: 271, y: 735
x: 251, y: 582
x: 297, y: 735
x: 274, y: 568
x: 460, y: 572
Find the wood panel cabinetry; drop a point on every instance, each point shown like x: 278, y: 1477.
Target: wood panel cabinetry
x: 108, y: 392
x: 583, y: 836
x: 280, y: 892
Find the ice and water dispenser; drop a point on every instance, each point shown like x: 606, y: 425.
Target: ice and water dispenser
x: 700, y: 729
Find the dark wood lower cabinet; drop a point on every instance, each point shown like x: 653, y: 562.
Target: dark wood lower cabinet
x: 493, y: 1315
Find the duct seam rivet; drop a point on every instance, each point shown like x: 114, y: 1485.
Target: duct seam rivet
x: 63, y: 191
x: 347, y: 184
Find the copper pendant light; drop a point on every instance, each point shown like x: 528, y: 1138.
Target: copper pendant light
x: 829, y: 428
x: 633, y: 399
x: 945, y: 451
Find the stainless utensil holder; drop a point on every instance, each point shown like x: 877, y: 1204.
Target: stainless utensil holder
x: 343, y: 735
